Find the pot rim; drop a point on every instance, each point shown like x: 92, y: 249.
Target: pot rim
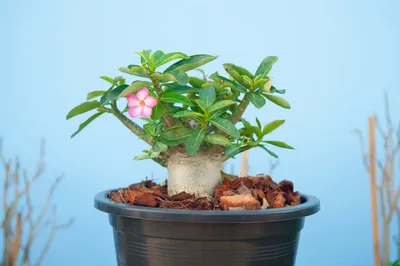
x: 310, y: 205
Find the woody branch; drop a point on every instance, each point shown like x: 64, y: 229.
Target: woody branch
x: 18, y: 219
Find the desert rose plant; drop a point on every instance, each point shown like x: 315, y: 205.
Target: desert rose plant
x: 190, y: 123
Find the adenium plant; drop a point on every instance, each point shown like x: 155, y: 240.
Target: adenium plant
x: 190, y: 123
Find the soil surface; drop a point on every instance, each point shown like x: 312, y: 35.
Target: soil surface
x: 245, y: 193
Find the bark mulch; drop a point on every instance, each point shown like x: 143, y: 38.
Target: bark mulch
x: 245, y: 193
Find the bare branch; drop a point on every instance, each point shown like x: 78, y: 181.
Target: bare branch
x: 54, y: 228
x: 363, y: 152
x: 15, y: 220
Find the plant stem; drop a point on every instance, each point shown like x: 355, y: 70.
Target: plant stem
x: 240, y: 110
x: 132, y: 126
x: 169, y: 120
x: 136, y: 129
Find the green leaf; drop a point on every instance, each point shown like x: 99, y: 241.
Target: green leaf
x: 156, y: 57
x: 261, y: 82
x: 157, y: 112
x: 277, y: 100
x: 269, y: 151
x: 194, y: 140
x: 94, y: 94
x: 258, y: 123
x: 112, y: 95
x: 180, y: 77
x: 149, y: 129
x: 273, y: 89
x: 87, y: 122
x: 226, y: 126
x: 177, y: 76
x: 187, y: 113
x: 255, y: 130
x: 221, y: 104
x: 230, y: 83
x: 217, y: 139
x: 162, y: 60
x: 192, y: 62
x: 265, y: 67
x: 268, y: 128
x: 196, y: 82
x: 256, y: 99
x: 172, y: 97
x: 117, y: 80
x: 181, y: 89
x: 207, y: 95
x: 279, y: 144
x: 154, y: 154
x: 218, y: 113
x: 247, y: 81
x: 201, y: 104
x: 234, y: 72
x: 134, y: 87
x: 111, y: 80
x: 170, y: 139
x: 83, y: 108
x: 145, y: 56
x: 233, y: 150
x: 136, y: 71
x: 175, y: 137
x: 245, y: 122
x: 160, y: 147
x: 142, y: 157
x: 244, y: 72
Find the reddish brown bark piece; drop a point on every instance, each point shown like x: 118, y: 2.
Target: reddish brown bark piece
x: 247, y: 201
x: 261, y: 194
x: 278, y: 201
x: 182, y: 196
x: 246, y: 181
x: 146, y: 199
x: 286, y: 186
x: 129, y: 196
x: 293, y: 198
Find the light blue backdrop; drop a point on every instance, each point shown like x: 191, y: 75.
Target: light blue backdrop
x: 336, y: 59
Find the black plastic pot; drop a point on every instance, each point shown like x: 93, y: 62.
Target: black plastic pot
x: 159, y: 237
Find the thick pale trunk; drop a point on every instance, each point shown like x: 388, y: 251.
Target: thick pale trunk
x: 194, y: 174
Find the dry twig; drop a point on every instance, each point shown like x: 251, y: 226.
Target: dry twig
x: 389, y: 194
x: 15, y: 221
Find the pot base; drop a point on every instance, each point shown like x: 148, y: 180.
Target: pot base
x: 156, y: 243
x: 146, y: 236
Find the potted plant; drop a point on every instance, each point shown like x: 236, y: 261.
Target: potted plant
x: 200, y: 215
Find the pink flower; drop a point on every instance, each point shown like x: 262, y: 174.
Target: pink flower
x: 141, y: 104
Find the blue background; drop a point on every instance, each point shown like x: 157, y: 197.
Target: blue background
x: 336, y: 59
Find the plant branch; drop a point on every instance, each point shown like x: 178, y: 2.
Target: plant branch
x: 240, y: 110
x: 132, y: 126
x: 135, y: 129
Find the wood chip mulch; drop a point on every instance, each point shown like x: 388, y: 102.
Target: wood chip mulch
x: 245, y: 193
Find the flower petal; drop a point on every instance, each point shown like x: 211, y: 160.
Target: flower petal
x: 132, y: 100
x: 150, y: 101
x: 135, y: 111
x: 142, y: 94
x: 147, y: 111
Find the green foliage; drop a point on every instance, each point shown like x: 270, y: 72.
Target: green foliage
x: 207, y: 95
x: 87, y: 122
x: 192, y: 113
x: 83, y: 108
x: 395, y: 263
